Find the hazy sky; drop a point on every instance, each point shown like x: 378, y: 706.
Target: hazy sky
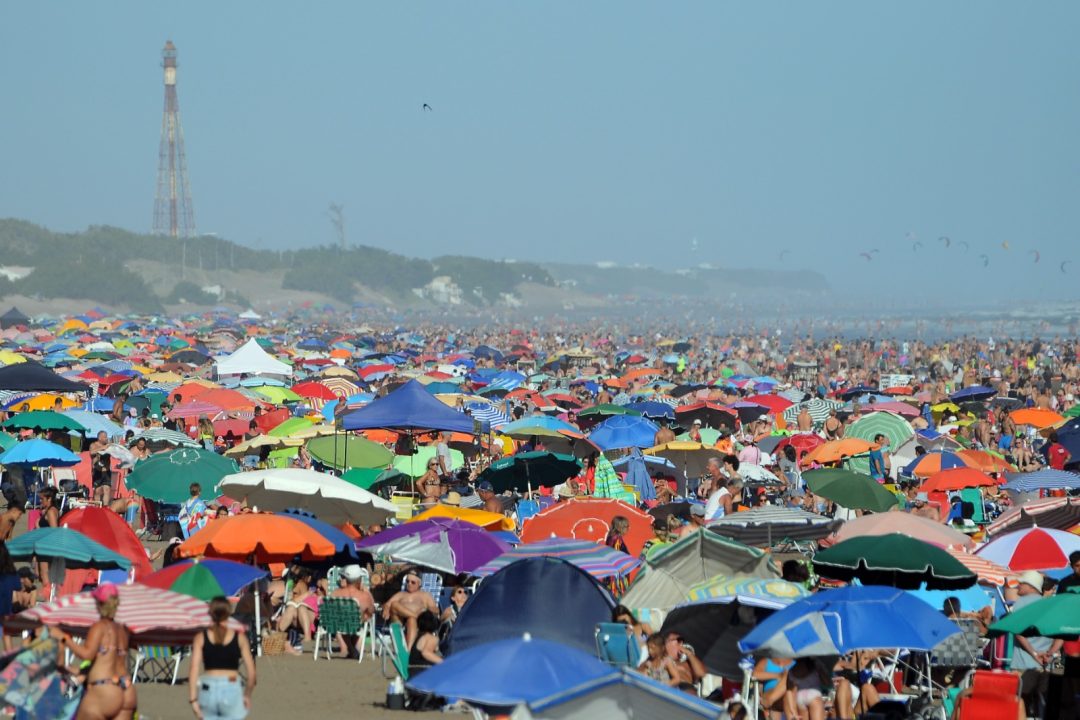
x: 572, y: 131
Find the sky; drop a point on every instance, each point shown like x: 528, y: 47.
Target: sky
x: 781, y: 134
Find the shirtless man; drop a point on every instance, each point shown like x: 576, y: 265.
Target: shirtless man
x: 664, y: 434
x: 405, y: 606
x: 354, y: 588
x: 8, y: 520
x: 803, y: 420
x: 487, y: 493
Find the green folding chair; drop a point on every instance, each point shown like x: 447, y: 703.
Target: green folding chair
x: 337, y: 615
x: 396, y: 652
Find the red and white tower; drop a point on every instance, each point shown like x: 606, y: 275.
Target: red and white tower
x: 174, y: 214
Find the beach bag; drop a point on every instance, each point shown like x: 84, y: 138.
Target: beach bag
x: 273, y: 642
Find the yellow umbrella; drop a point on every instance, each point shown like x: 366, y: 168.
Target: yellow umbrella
x: 482, y: 518
x: 11, y: 358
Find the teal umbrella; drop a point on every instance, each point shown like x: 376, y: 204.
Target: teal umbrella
x: 349, y: 451
x: 1057, y: 616
x: 167, y: 476
x: 76, y: 549
x: 527, y: 470
x: 373, y: 479
x: 44, y: 420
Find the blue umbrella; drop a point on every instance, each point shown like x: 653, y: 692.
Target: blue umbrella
x: 624, y: 431
x: 653, y: 409
x: 39, y: 453
x: 835, y: 622
x: 637, y: 474
x: 344, y: 546
x: 514, y: 671
x: 975, y: 392
x: 1045, y: 479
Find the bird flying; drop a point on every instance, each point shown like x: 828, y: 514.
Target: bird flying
x: 964, y: 244
x: 866, y: 255
x: 945, y: 239
x: 425, y: 107
x: 1063, y: 264
x: 1035, y: 253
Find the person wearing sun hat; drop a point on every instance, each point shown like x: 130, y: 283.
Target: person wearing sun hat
x: 1030, y: 654
x: 109, y: 690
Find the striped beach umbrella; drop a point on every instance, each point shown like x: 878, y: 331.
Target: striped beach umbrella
x: 165, y: 437
x: 722, y: 587
x: 988, y: 572
x: 764, y: 526
x: 598, y: 560
x: 1061, y: 513
x: 891, y: 425
x: 1031, y: 549
x: 1045, y: 479
x: 817, y: 407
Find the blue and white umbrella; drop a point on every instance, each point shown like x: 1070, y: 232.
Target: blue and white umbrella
x: 1045, y: 479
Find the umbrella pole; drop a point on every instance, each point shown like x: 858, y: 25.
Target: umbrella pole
x: 256, y: 593
x: 345, y: 462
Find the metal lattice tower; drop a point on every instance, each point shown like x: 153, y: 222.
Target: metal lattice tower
x: 174, y: 214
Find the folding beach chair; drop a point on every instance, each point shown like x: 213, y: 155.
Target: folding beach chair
x: 338, y: 615
x: 157, y: 663
x: 615, y: 645
x: 395, y: 652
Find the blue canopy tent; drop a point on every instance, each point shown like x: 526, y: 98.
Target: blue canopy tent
x: 546, y: 597
x: 409, y: 408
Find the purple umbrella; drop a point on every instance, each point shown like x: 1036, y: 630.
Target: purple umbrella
x: 443, y: 544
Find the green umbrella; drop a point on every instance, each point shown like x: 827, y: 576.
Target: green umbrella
x: 1074, y: 411
x: 709, y: 436
x: 891, y: 425
x: 853, y: 491
x: 372, y: 479
x: 167, y: 476
x: 7, y: 441
x: 1057, y: 616
x: 290, y: 426
x: 342, y: 451
x: 527, y: 470
x: 896, y: 560
x: 277, y: 395
x: 416, y: 464
x: 604, y: 410
x: 44, y: 420
x: 77, y: 550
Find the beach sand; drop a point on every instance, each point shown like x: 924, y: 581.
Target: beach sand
x: 291, y: 687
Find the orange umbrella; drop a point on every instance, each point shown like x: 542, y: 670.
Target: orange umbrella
x: 265, y: 537
x: 836, y: 450
x: 482, y: 518
x: 1036, y: 417
x: 984, y: 461
x: 588, y: 519
x: 957, y: 479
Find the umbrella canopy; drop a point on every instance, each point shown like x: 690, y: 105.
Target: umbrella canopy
x: 892, y: 426
x: 1032, y: 549
x: 551, y: 666
x: 764, y: 526
x: 76, y: 549
x: 374, y: 479
x: 722, y: 588
x: 623, y: 432
x: 204, y: 579
x: 588, y: 519
x: 836, y: 622
x: 481, y: 518
x: 957, y: 479
x: 153, y: 616
x: 167, y: 476
x: 818, y: 408
x: 689, y: 457
x: 1045, y: 479
x: 106, y: 528
x: 538, y: 425
x: 715, y: 627
x: 1056, y: 513
x: 710, y: 414
x: 975, y: 392
x: 599, y: 561
x: 165, y: 437
x: 837, y: 450
x: 329, y: 498
x: 349, y: 451
x: 895, y: 560
x: 263, y: 537
x: 851, y: 490
x: 802, y: 442
x: 920, y: 528
x: 989, y: 573
x: 933, y: 462
x: 443, y: 544
x: 43, y: 420
x: 1057, y: 616
x: 343, y: 542
x: 530, y: 470
x: 1036, y: 417
x: 39, y: 453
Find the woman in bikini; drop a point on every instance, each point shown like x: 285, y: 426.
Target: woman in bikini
x: 109, y: 690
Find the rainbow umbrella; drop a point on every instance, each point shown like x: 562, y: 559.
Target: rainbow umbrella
x: 599, y: 561
x: 206, y: 579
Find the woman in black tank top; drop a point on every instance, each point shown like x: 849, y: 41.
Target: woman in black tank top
x: 217, y: 690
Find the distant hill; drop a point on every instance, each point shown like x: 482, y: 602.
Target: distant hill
x: 147, y: 273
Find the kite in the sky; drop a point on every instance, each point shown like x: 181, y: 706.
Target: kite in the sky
x: 986, y: 260
x: 1035, y: 253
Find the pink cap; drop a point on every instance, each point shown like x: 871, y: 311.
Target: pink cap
x: 105, y: 591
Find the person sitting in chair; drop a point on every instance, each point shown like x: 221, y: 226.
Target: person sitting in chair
x: 408, y: 604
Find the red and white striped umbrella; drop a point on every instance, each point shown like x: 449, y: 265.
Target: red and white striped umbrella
x: 986, y: 570
x: 153, y: 616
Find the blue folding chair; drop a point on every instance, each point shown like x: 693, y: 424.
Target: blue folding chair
x: 615, y: 645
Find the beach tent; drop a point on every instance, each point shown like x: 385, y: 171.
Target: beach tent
x: 408, y: 408
x: 13, y: 318
x: 251, y: 359
x: 35, y: 377
x: 543, y: 596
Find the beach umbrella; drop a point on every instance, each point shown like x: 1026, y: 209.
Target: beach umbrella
x: 167, y: 476
x: 802, y: 442
x: 710, y: 414
x: 625, y: 694
x: 776, y: 404
x: 957, y: 479
x: 985, y: 461
x: 261, y: 537
x: 204, y: 579
x: 818, y: 408
x: 621, y: 432
x: 110, y: 530
x: 689, y: 457
x: 757, y: 475
x: 656, y: 410
x: 42, y: 420
x: 552, y: 667
x: 1061, y: 513
x: 598, y: 413
x: 895, y: 560
x: 748, y: 411
x: 1045, y: 479
x: 153, y: 616
x: 933, y: 462
x: 851, y: 490
x: 598, y: 560
x: 537, y: 425
x: 834, y: 451
x: 836, y: 622
x: 329, y: 498
x: 255, y: 445
x: 94, y: 423
x: 895, y: 428
x: 989, y: 573
x: 1035, y: 548
x: 71, y: 546
x: 443, y: 544
x: 1035, y: 417
x: 724, y: 587
x: 375, y: 479
x: 914, y: 526
x: 349, y: 451
x: 524, y: 471
x: 766, y: 526
x: 344, y: 544
x: 975, y: 392
x: 588, y: 519
x: 490, y: 521
x: 316, y: 390
x: 1057, y: 616
x: 164, y: 436
x: 39, y: 453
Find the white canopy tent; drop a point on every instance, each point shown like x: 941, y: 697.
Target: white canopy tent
x: 251, y: 359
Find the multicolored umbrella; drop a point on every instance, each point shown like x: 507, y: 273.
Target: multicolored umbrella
x: 988, y: 572
x: 1061, y: 513
x: 204, y: 579
x: 933, y: 462
x: 723, y: 587
x: 598, y: 560
x: 1032, y: 549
